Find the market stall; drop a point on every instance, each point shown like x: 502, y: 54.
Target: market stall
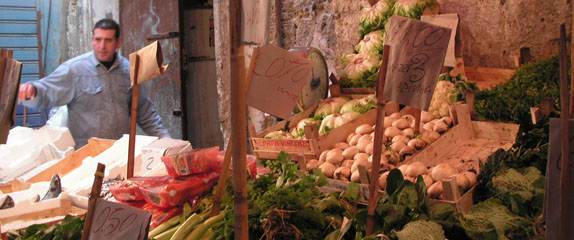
x: 408, y: 143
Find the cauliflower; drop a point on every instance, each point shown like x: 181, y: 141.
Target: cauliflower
x: 441, y: 99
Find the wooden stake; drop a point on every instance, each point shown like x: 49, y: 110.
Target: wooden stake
x: 417, y: 115
x: 239, y: 122
x: 94, y: 195
x: 222, y: 179
x: 133, y: 120
x: 571, y: 112
x: 564, y: 174
x: 278, y: 29
x: 378, y: 143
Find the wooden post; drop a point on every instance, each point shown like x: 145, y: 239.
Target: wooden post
x: 278, y: 30
x: 335, y: 87
x: 133, y: 120
x: 378, y: 143
x: 417, y: 115
x: 239, y: 122
x: 94, y: 195
x: 564, y: 175
x: 222, y: 179
x: 571, y: 112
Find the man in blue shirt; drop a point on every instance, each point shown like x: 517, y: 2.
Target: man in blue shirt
x: 96, y: 88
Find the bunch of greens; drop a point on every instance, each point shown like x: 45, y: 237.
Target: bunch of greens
x: 492, y: 220
x: 404, y: 209
x: 511, y: 101
x: 70, y: 228
x: 287, y: 205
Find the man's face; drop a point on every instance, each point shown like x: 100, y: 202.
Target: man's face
x: 105, y: 44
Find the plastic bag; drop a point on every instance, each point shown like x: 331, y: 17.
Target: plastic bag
x: 180, y: 190
x: 193, y: 162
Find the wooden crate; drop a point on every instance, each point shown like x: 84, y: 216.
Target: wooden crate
x: 50, y: 211
x: 486, y: 78
x: 14, y: 186
x: 464, y: 146
x: 310, y: 148
x: 94, y: 147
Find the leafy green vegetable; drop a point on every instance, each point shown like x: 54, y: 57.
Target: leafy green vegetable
x: 511, y: 101
x: 287, y: 205
x: 70, y: 228
x: 519, y: 189
x: 423, y: 230
x: 492, y: 220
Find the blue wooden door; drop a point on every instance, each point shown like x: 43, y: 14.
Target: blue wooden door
x: 19, y: 32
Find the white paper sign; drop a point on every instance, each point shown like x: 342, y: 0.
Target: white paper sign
x: 116, y: 221
x: 448, y: 21
x: 417, y: 51
x: 277, y: 77
x: 255, y: 21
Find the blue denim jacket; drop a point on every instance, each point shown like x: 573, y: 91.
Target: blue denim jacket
x: 98, y: 99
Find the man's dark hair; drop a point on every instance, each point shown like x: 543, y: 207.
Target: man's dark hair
x: 109, y: 24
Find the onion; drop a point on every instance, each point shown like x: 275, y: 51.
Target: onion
x: 415, y: 169
x: 442, y: 171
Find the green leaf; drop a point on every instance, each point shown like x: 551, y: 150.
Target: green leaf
x: 352, y: 193
x: 422, y: 198
x: 441, y: 211
x: 405, y: 195
x: 394, y: 179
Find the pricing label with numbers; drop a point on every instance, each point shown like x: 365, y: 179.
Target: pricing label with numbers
x: 417, y: 53
x: 277, y: 78
x: 116, y: 221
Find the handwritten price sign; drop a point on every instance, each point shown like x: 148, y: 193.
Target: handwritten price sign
x: 116, y: 221
x: 255, y: 21
x: 448, y: 21
x: 417, y: 52
x: 276, y: 80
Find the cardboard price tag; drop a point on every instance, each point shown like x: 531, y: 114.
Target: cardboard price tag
x: 276, y: 78
x: 116, y: 221
x: 448, y: 21
x: 255, y: 19
x: 417, y: 52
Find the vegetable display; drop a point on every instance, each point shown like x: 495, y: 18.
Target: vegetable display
x: 374, y: 17
x: 359, y: 70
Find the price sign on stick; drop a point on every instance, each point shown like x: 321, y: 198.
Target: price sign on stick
x: 255, y: 21
x: 276, y: 79
x: 448, y: 21
x: 116, y: 221
x: 417, y: 54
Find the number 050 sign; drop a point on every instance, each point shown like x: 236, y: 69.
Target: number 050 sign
x: 116, y: 221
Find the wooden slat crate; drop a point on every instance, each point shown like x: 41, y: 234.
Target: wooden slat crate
x: 486, y: 78
x: 94, y: 147
x: 464, y: 146
x: 311, y: 148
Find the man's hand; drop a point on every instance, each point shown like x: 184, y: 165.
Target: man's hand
x: 27, y: 92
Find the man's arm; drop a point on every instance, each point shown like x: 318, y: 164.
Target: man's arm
x: 54, y: 90
x: 148, y: 119
x: 27, y: 91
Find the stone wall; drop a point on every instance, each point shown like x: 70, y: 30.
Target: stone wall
x: 492, y: 31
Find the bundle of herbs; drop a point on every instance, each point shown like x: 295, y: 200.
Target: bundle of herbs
x: 288, y: 205
x: 511, y: 101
